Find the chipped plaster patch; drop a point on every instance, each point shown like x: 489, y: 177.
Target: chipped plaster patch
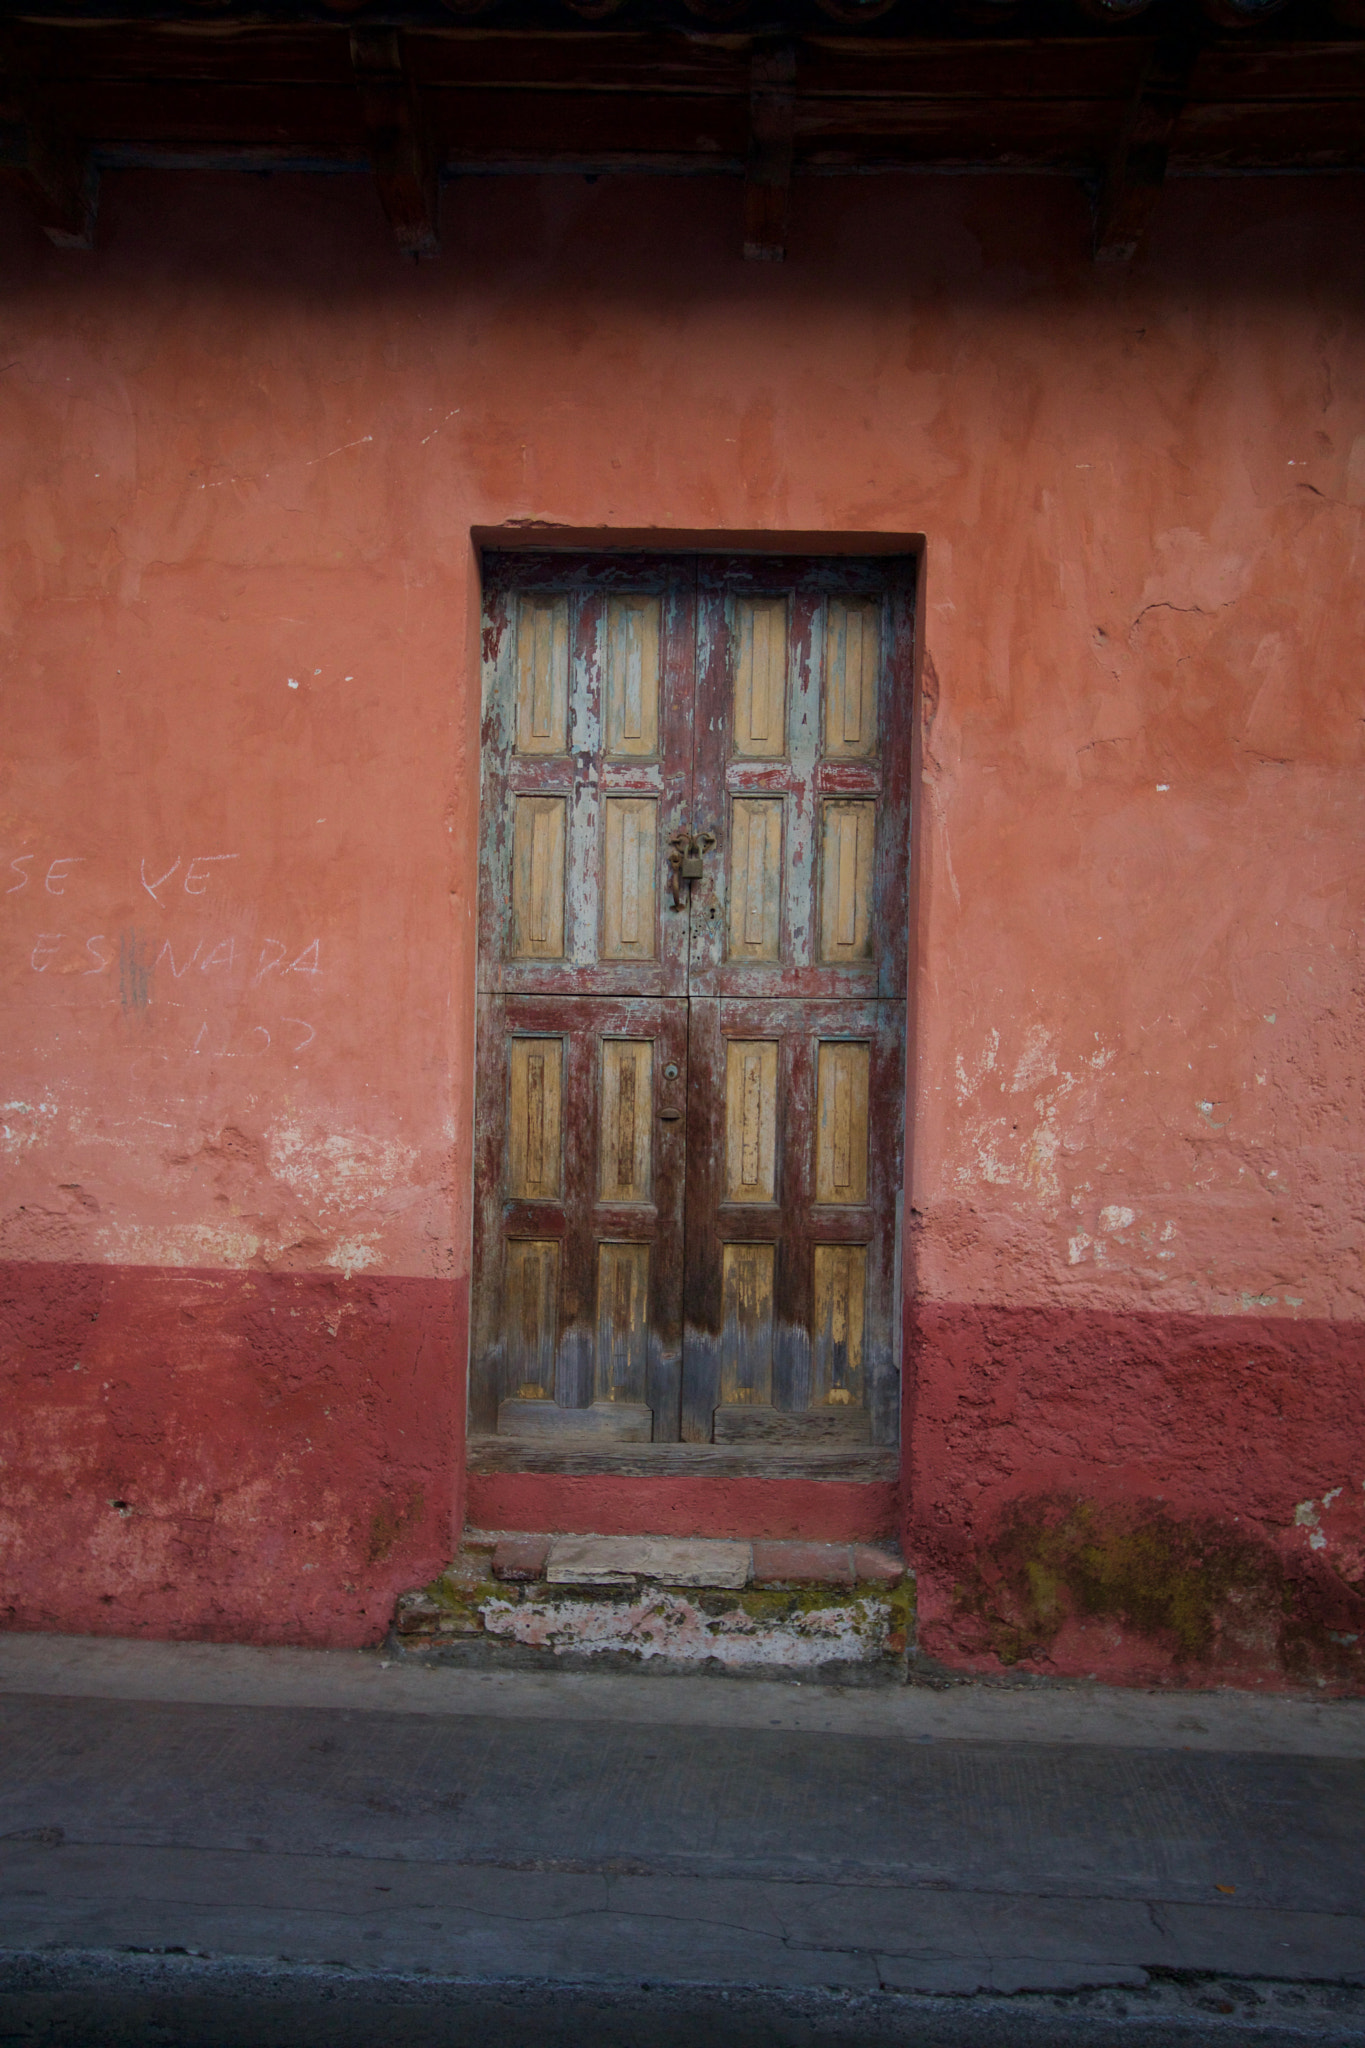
x: 968, y: 1083
x: 356, y: 1254
x: 340, y: 1172
x: 1113, y: 1216
x: 1308, y: 1515
x: 23, y: 1125
x: 183, y: 1244
x: 1036, y: 1062
x: 1040, y: 1155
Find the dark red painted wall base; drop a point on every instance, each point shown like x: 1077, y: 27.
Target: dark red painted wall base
x: 275, y: 1457
x: 826, y: 1511
x: 254, y: 1457
x: 1140, y: 1498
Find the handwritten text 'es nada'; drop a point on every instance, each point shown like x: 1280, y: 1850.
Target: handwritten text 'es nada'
x: 59, y: 953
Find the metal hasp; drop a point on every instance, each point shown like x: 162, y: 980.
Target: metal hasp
x: 686, y: 861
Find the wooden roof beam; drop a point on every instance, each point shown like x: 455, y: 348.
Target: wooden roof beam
x: 396, y: 133
x: 772, y: 130
x: 1136, y: 170
x: 55, y: 168
x: 62, y: 181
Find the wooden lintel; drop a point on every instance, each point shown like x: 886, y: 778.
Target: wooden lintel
x: 772, y: 126
x: 1136, y: 170
x: 401, y: 153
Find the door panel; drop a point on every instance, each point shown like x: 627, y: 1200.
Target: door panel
x: 587, y: 770
x: 690, y: 1119
x: 803, y: 773
x: 784, y: 1099
x: 579, y: 1177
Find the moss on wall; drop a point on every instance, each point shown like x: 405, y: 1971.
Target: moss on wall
x: 1202, y: 1592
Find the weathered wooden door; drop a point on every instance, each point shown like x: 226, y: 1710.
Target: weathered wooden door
x: 693, y: 938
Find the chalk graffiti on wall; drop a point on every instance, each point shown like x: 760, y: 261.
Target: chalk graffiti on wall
x: 134, y: 958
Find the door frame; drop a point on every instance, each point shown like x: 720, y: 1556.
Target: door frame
x: 541, y: 538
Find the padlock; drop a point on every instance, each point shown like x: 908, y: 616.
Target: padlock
x: 692, y: 870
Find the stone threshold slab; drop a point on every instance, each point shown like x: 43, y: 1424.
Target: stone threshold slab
x: 666, y: 1560
x: 693, y: 1561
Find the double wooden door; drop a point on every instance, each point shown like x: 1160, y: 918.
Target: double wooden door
x: 692, y: 996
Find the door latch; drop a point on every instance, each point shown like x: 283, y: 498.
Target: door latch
x: 686, y: 856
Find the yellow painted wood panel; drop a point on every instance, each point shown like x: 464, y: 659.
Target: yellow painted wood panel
x: 839, y: 1312
x: 632, y: 722
x: 622, y: 1322
x: 760, y: 677
x: 627, y: 1125
x: 543, y: 675
x: 746, y: 1361
x: 848, y: 845
x: 852, y: 669
x: 538, y: 834
x: 530, y: 1316
x: 841, y: 1121
x: 629, y: 911
x: 756, y: 878
x: 751, y: 1120
x: 534, y: 1118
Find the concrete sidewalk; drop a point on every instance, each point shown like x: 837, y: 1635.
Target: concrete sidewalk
x: 315, y: 1830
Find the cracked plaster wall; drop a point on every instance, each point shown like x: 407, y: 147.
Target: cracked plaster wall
x: 243, y: 449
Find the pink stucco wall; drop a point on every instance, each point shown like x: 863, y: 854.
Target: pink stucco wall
x: 244, y: 448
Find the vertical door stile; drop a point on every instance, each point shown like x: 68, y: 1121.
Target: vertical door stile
x: 703, y: 1286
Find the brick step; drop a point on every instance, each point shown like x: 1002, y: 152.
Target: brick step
x: 837, y: 1612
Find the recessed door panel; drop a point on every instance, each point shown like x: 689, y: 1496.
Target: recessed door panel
x: 847, y: 854
x: 852, y: 666
x: 534, y: 1111
x: 839, y: 1309
x: 622, y: 1323
x: 632, y: 722
x: 531, y: 1316
x: 630, y: 899
x: 841, y: 1121
x: 543, y: 675
x: 747, y: 1290
x: 538, y: 839
x: 760, y: 677
x: 756, y: 878
x: 626, y: 1120
x: 751, y: 1120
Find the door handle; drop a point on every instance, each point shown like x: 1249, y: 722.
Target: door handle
x: 686, y: 858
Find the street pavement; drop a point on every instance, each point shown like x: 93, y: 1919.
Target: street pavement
x: 210, y: 1844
